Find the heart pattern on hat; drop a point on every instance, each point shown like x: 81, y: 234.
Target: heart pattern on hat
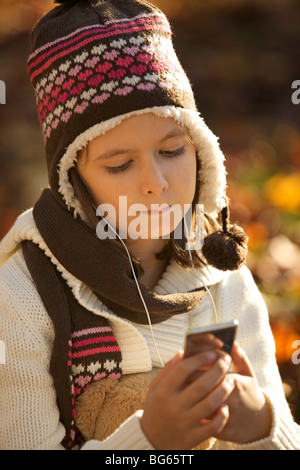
x: 113, y: 69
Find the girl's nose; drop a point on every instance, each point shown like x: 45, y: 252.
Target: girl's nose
x: 153, y: 180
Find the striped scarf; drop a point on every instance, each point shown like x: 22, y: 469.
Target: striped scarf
x: 84, y: 349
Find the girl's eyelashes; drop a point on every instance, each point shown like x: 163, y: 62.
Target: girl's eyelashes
x: 174, y: 153
x: 118, y: 169
x: 167, y: 153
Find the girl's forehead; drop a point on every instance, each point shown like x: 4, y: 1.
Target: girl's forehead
x: 140, y: 127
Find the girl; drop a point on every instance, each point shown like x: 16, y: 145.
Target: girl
x: 79, y: 308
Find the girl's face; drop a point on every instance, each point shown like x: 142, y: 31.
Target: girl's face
x: 148, y: 159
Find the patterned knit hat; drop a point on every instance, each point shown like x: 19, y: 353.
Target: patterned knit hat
x: 94, y: 63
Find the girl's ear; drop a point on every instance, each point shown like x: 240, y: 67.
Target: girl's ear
x: 226, y: 249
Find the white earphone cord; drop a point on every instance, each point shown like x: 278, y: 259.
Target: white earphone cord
x: 196, y: 274
x: 141, y: 296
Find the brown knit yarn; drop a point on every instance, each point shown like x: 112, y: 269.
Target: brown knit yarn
x: 92, y: 61
x: 226, y: 249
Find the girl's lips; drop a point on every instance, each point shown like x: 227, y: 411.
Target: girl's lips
x: 161, y: 210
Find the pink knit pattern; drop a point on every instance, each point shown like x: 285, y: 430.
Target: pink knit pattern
x: 88, y: 365
x: 93, y: 64
x: 89, y: 350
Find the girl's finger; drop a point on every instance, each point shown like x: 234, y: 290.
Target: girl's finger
x: 219, y: 421
x: 177, y: 372
x: 241, y: 363
x: 207, y: 407
x: 165, y: 370
x: 210, y: 428
x: 210, y: 384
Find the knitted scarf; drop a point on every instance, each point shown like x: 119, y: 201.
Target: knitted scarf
x: 85, y: 349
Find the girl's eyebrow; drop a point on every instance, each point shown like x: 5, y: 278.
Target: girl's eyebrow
x: 114, y: 152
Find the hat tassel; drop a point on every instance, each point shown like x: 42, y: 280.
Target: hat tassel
x: 226, y: 249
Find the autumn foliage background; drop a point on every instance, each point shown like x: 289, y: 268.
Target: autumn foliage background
x: 242, y: 57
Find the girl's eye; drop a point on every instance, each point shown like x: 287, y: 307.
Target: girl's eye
x: 174, y: 153
x: 117, y: 169
x: 168, y: 153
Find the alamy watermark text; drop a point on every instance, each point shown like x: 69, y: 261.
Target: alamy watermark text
x: 2, y: 92
x: 296, y: 94
x: 159, y: 221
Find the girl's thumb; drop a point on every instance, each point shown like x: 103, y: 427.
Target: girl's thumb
x: 241, y: 363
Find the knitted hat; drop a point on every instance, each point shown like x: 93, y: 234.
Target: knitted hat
x: 94, y: 63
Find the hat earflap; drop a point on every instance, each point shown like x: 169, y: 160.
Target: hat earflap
x: 226, y: 249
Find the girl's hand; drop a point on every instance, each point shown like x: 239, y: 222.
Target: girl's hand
x: 176, y: 411
x: 249, y: 414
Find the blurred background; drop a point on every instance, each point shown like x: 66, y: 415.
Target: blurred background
x: 242, y: 57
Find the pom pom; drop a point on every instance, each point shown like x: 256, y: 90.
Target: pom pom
x: 227, y: 249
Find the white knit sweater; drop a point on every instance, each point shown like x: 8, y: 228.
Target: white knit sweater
x: 28, y: 410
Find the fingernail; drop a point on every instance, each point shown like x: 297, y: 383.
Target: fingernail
x: 178, y: 356
x: 227, y: 359
x: 225, y: 409
x: 230, y: 381
x: 211, y: 356
x: 180, y: 353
